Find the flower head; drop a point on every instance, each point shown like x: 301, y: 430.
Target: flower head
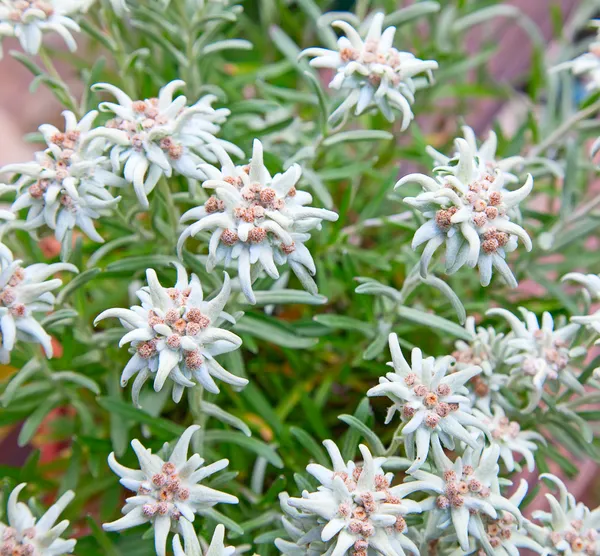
x: 28, y: 20
x: 167, y: 494
x: 509, y: 437
x: 488, y: 350
x: 469, y: 209
x: 467, y: 493
x: 175, y: 334
x: 23, y: 292
x: 570, y: 529
x: 151, y: 138
x: 66, y: 185
x: 357, y: 508
x: 24, y: 536
x: 371, y: 71
x: 587, y: 65
x: 192, y: 546
x: 541, y: 353
x: 430, y: 402
x: 256, y: 218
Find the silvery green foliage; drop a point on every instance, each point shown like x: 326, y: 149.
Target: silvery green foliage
x: 468, y: 208
x: 26, y: 536
x: 356, y: 507
x: 570, y: 528
x: 488, y: 349
x: 175, y: 335
x: 66, y: 186
x: 256, y: 219
x: 151, y: 138
x: 432, y: 402
x: 192, y: 546
x: 509, y: 437
x: 591, y: 285
x: 371, y: 72
x: 466, y: 494
x: 541, y: 354
x: 25, y: 291
x: 167, y: 493
x: 28, y: 20
x: 587, y: 65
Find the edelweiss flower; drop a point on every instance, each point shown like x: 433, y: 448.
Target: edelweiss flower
x: 509, y: 437
x: 28, y: 20
x: 503, y: 536
x: 484, y: 155
x: 65, y: 186
x: 467, y: 490
x: 167, y: 493
x: 540, y: 354
x: 357, y: 505
x: 24, y: 536
x: 591, y: 283
x: 23, y: 292
x: 151, y: 138
x: 488, y: 350
x: 468, y: 209
x: 256, y: 219
x: 371, y: 71
x: 571, y: 528
x: 175, y: 334
x: 588, y: 64
x: 192, y: 546
x: 304, y: 530
x: 429, y: 402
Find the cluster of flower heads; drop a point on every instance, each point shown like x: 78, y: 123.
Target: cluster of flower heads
x: 26, y: 536
x: 371, y: 72
x: 28, y: 20
x: 175, y: 334
x: 168, y: 496
x: 25, y: 291
x: 151, y: 138
x: 467, y: 207
x: 255, y: 218
x: 66, y: 186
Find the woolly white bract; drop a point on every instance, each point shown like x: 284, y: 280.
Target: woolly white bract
x: 540, y: 353
x: 66, y: 185
x: 469, y: 209
x: 175, y: 334
x: 28, y: 20
x: 570, y: 528
x: 151, y: 138
x: 255, y: 218
x: 371, y: 71
x: 25, y: 291
x: 26, y: 536
x: 357, y: 508
x: 431, y: 403
x: 167, y: 494
x: 192, y: 546
x: 591, y: 284
x: 466, y: 490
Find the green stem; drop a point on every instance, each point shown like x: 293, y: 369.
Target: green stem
x: 66, y: 97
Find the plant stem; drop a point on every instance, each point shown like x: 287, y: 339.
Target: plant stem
x: 68, y: 99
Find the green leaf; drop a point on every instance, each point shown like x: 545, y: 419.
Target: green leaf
x: 272, y: 331
x: 144, y: 262
x: 434, y: 321
x: 30, y: 368
x: 33, y: 422
x: 409, y: 13
x: 371, y: 438
x: 229, y: 44
x: 127, y: 411
x: 286, y: 297
x: 252, y: 444
x: 357, y: 135
x: 77, y: 378
x: 215, y: 411
x: 229, y: 524
x: 342, y: 322
x: 310, y: 445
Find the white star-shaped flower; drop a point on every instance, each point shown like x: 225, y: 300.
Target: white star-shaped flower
x: 175, y: 334
x: 192, y: 546
x: 431, y: 402
x: 167, y: 495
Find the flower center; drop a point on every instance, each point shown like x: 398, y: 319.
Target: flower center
x: 15, y: 544
x: 20, y: 8
x: 166, y: 489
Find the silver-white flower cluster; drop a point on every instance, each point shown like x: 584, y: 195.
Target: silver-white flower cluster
x: 151, y: 138
x: 371, y: 72
x: 25, y: 291
x: 26, y: 536
x: 28, y: 20
x: 191, y: 545
x: 431, y: 402
x: 467, y: 207
x: 256, y: 219
x: 66, y: 186
x: 175, y: 334
x: 167, y: 493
